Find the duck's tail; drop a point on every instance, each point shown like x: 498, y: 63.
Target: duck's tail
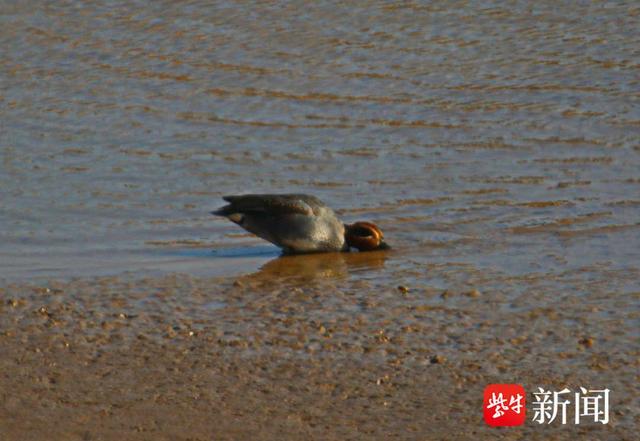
x: 223, y: 211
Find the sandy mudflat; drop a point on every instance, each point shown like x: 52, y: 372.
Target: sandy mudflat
x: 301, y: 357
x: 496, y: 144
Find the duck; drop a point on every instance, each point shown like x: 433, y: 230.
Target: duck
x: 299, y: 224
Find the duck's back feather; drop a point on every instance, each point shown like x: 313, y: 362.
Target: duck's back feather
x: 274, y: 204
x: 298, y: 223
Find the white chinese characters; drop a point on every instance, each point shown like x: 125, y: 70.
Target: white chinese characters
x: 589, y: 405
x: 500, y: 405
x: 548, y: 406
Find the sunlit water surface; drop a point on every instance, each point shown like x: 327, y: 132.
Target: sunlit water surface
x: 490, y: 143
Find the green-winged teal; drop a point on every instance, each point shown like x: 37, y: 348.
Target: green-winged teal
x: 299, y: 223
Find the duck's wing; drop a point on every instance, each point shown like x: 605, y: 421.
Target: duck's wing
x: 270, y: 204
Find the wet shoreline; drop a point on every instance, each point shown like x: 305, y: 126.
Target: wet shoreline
x: 496, y: 146
x: 298, y: 355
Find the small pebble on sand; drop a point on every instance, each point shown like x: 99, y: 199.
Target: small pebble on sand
x: 587, y: 342
x: 474, y: 293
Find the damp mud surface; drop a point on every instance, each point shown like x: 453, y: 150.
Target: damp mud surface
x: 497, y: 146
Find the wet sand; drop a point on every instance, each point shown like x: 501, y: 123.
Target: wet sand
x: 497, y: 146
x: 292, y: 354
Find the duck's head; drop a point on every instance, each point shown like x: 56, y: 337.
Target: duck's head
x: 365, y: 236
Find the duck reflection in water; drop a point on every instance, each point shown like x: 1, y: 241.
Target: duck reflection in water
x: 315, y: 267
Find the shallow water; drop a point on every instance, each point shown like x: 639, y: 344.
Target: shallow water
x: 503, y: 139
x: 497, y: 145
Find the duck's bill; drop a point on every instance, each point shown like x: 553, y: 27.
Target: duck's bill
x: 384, y: 246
